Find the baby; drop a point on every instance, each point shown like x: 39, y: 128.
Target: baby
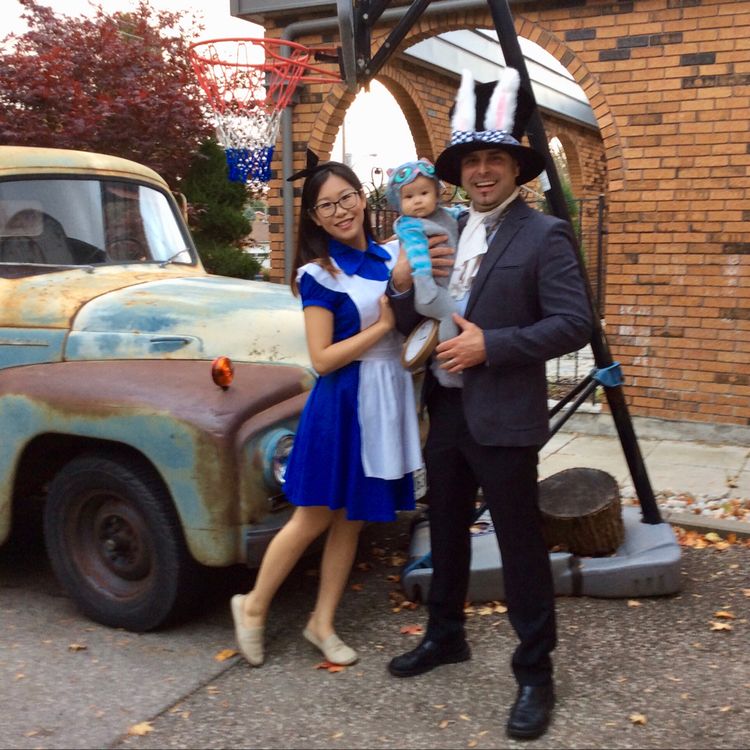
x: 414, y: 190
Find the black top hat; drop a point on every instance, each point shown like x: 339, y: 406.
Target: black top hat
x: 489, y: 116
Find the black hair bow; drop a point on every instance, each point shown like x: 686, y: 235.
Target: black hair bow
x: 311, y: 166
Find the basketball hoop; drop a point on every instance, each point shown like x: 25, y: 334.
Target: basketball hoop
x: 248, y: 82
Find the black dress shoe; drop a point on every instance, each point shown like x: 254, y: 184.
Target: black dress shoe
x: 428, y: 655
x: 530, y: 715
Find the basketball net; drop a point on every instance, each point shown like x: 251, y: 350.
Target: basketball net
x: 248, y: 83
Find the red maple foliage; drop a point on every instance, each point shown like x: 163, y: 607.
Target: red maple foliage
x: 118, y: 83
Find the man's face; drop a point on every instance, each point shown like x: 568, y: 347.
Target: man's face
x: 489, y: 177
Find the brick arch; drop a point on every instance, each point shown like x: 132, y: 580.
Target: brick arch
x: 413, y: 109
x: 573, y: 160
x: 667, y: 91
x: 554, y: 45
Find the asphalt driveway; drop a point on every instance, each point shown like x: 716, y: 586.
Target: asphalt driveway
x: 651, y: 673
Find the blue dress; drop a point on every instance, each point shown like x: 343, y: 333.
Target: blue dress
x: 357, y: 443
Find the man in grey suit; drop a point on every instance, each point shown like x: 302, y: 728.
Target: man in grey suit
x: 520, y: 301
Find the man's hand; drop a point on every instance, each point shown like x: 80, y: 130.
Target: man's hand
x: 440, y: 255
x: 462, y: 351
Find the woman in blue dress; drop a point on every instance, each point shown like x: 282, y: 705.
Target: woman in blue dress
x: 358, y: 440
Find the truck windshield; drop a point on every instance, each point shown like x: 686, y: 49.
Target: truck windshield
x: 63, y: 222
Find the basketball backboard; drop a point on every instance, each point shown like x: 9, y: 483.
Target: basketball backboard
x: 356, y: 21
x: 346, y: 29
x: 355, y: 41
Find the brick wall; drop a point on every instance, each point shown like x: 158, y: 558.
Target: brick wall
x: 669, y: 82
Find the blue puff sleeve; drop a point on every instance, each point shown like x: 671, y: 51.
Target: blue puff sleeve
x: 314, y: 294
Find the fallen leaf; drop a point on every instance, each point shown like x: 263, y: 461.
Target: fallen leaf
x: 725, y: 614
x: 20, y: 676
x: 337, y: 736
x: 31, y: 733
x: 500, y: 609
x: 364, y: 566
x: 212, y: 690
x: 633, y: 603
x: 224, y: 654
x: 141, y: 729
x: 464, y: 717
x: 471, y: 743
x: 724, y: 709
x: 638, y: 718
x: 77, y: 647
x: 393, y: 578
x: 357, y: 587
x: 397, y: 561
x: 439, y: 705
x: 721, y: 626
x: 411, y: 630
x: 746, y: 592
x: 712, y: 536
x: 329, y: 667
x: 445, y: 723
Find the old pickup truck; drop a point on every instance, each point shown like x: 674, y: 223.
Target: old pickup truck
x: 147, y: 405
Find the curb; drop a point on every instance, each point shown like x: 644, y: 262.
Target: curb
x: 704, y: 525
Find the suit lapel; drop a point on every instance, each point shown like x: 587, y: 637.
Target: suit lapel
x: 506, y: 231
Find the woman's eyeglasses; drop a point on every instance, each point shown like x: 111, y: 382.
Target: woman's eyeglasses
x: 403, y: 174
x: 328, y: 208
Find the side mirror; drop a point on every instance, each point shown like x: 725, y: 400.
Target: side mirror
x: 182, y: 203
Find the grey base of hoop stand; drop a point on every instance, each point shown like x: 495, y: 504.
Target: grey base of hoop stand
x: 647, y: 563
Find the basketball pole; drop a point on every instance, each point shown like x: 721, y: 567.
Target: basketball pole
x: 506, y: 32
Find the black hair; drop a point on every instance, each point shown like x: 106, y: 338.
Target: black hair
x: 312, y: 240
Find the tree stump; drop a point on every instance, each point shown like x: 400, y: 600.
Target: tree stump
x: 581, y: 512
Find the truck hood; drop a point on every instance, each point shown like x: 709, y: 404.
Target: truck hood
x: 192, y: 318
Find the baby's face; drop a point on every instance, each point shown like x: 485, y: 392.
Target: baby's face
x: 419, y: 198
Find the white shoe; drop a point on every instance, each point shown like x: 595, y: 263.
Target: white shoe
x: 333, y: 648
x: 250, y: 640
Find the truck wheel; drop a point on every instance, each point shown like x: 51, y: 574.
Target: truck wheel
x: 115, y: 543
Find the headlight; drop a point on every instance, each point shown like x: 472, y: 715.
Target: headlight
x: 276, y: 447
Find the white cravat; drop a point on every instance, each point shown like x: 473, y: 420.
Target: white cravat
x: 472, y: 245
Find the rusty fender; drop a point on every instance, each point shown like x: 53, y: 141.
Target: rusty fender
x: 193, y: 432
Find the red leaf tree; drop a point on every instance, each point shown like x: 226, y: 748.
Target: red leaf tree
x: 117, y: 83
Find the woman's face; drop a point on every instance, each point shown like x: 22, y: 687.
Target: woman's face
x: 339, y: 209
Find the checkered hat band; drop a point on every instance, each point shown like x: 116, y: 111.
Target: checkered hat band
x: 483, y: 136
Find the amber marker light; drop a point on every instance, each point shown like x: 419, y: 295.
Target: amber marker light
x: 222, y: 372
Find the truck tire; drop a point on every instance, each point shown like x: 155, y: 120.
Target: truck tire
x: 115, y: 543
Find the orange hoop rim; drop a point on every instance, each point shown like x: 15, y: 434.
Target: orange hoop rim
x: 299, y: 65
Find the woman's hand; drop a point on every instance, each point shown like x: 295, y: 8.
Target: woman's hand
x: 401, y: 273
x: 387, y: 317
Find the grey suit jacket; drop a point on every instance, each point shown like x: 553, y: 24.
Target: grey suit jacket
x: 530, y: 300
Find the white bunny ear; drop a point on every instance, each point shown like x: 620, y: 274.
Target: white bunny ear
x: 465, y: 111
x: 501, y: 110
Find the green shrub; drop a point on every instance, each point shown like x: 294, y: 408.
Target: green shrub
x: 217, y: 205
x: 226, y: 260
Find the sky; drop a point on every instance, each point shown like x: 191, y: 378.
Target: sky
x: 363, y: 141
